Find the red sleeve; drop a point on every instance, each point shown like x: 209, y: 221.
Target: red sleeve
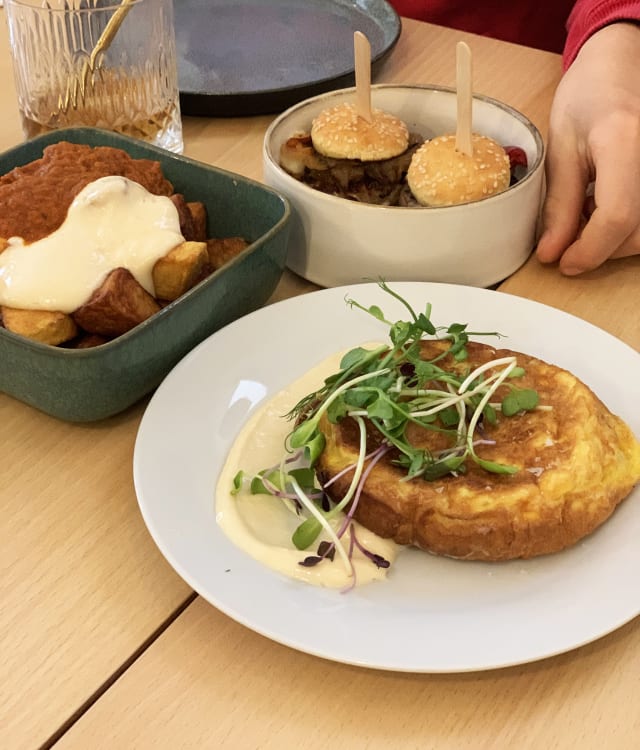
x: 588, y: 16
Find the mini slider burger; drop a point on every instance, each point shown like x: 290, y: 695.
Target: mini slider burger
x: 440, y: 175
x: 350, y: 157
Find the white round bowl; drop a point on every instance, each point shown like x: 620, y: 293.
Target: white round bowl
x: 336, y: 241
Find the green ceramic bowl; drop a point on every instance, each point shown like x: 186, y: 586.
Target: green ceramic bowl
x: 85, y: 385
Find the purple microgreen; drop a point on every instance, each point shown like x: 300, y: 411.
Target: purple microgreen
x: 407, y: 369
x: 375, y: 457
x: 264, y: 486
x: 310, y: 561
x: 351, y: 467
x: 376, y: 559
x: 322, y: 520
x: 327, y: 549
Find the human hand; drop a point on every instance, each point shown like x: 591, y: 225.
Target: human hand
x: 594, y: 136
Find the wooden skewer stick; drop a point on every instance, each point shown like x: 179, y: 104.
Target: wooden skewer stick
x: 464, y: 99
x: 362, y: 57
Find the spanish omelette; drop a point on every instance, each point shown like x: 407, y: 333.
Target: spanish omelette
x: 576, y: 461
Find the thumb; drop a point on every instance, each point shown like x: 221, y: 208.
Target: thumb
x: 562, y: 209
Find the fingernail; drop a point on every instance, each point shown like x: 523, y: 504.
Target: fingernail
x: 571, y: 270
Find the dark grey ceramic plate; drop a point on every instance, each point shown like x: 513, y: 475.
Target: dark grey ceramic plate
x: 248, y: 57
x: 85, y: 385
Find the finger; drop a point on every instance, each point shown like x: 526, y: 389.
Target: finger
x: 631, y: 246
x: 616, y: 216
x: 567, y: 179
x: 600, y: 240
x: 617, y: 198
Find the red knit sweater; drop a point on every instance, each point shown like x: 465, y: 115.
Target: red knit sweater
x: 562, y: 26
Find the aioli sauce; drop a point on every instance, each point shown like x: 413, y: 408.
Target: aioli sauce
x: 261, y: 525
x: 113, y: 222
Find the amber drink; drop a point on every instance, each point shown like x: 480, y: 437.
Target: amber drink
x: 97, y: 63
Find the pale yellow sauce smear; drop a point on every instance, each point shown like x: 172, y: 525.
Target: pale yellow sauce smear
x: 260, y: 525
x: 112, y: 223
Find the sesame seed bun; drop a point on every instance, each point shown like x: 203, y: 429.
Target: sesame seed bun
x: 338, y: 132
x: 441, y: 176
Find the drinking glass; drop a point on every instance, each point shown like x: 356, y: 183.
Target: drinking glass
x: 97, y: 63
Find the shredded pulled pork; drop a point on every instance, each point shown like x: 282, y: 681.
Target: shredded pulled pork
x: 377, y: 182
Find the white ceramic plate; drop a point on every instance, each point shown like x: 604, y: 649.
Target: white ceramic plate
x: 432, y: 614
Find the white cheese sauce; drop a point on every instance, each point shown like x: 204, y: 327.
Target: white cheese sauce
x: 112, y: 223
x: 261, y: 525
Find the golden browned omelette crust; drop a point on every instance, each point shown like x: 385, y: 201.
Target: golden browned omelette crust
x: 577, y: 461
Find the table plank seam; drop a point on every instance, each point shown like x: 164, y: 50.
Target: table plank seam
x: 113, y: 678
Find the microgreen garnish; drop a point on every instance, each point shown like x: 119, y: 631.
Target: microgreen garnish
x: 375, y: 558
x: 388, y: 389
x: 326, y: 551
x: 519, y: 399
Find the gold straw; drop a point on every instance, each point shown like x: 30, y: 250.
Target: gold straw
x: 79, y: 86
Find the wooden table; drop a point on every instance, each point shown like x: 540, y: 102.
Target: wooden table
x: 102, y: 645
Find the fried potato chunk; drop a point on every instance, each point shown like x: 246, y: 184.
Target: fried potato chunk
x: 119, y: 304
x: 185, y: 217
x: 180, y: 269
x: 198, y: 213
x: 87, y: 341
x: 48, y: 327
x: 222, y: 250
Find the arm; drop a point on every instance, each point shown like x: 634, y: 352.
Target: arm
x: 594, y: 137
x: 589, y: 16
